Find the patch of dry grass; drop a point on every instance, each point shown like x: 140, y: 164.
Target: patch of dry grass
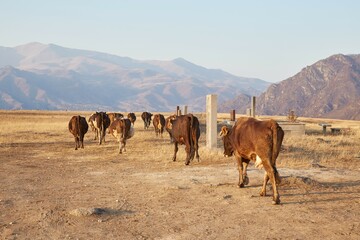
x: 318, y: 150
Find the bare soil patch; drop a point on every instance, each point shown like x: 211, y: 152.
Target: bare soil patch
x: 50, y: 191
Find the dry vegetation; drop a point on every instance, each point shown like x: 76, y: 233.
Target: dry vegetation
x: 50, y: 191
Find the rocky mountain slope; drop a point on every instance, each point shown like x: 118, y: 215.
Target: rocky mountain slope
x: 330, y: 88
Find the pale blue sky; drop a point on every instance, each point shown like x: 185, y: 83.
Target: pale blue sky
x: 271, y: 40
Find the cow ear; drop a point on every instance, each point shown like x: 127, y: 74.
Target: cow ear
x: 224, y: 131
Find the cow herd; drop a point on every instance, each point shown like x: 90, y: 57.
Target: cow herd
x: 182, y: 129
x: 248, y: 139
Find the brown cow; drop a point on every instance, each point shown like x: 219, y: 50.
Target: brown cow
x: 114, y: 116
x: 99, y: 121
x: 159, y: 124
x: 258, y: 141
x: 132, y: 117
x: 122, y: 129
x: 78, y: 127
x: 146, y: 117
x: 186, y: 130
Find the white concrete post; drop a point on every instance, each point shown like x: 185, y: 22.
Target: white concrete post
x: 185, y: 109
x: 211, y: 121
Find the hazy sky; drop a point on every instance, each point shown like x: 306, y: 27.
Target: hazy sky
x: 271, y: 40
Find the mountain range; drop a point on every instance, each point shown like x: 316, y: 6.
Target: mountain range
x: 51, y: 77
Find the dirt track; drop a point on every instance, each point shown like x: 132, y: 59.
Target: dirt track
x: 50, y: 191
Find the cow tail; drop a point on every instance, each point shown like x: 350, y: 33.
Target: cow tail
x: 101, y: 127
x: 278, y: 135
x: 123, y: 134
x: 192, y: 153
x: 78, y: 125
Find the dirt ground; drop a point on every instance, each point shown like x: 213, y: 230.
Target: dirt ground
x: 50, y: 191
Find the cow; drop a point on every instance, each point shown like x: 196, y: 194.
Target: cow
x: 78, y: 127
x: 122, y: 129
x: 114, y: 116
x: 132, y: 117
x: 186, y: 130
x: 258, y: 141
x: 159, y: 124
x: 146, y: 117
x: 99, y: 122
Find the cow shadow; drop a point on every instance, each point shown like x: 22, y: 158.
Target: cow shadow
x: 328, y: 191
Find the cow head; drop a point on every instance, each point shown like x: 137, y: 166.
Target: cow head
x: 228, y: 148
x: 169, y: 121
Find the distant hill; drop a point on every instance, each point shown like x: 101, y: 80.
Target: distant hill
x: 330, y: 88
x: 40, y: 76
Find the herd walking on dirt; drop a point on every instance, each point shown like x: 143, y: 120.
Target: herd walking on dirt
x: 248, y: 139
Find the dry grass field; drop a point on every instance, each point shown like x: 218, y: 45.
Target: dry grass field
x: 50, y: 191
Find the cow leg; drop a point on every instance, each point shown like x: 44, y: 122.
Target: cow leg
x: 76, y: 145
x: 245, y: 177
x: 82, y: 141
x: 120, y: 147
x: 197, y: 153
x: 263, y: 189
x: 96, y: 134
x: 175, y: 150
x: 100, y: 136
x: 271, y: 174
x: 124, y: 145
x: 78, y: 142
x: 240, y: 169
x: 189, y: 153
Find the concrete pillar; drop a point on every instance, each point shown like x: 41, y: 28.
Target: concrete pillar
x: 253, y: 103
x: 185, y: 109
x: 178, y: 111
x: 248, y: 112
x: 211, y: 121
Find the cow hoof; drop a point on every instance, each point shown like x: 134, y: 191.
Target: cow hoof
x: 241, y: 185
x: 263, y: 194
x: 246, y: 180
x: 275, y: 202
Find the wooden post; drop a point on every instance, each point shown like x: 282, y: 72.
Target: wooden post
x: 253, y: 103
x: 232, y: 115
x: 211, y: 121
